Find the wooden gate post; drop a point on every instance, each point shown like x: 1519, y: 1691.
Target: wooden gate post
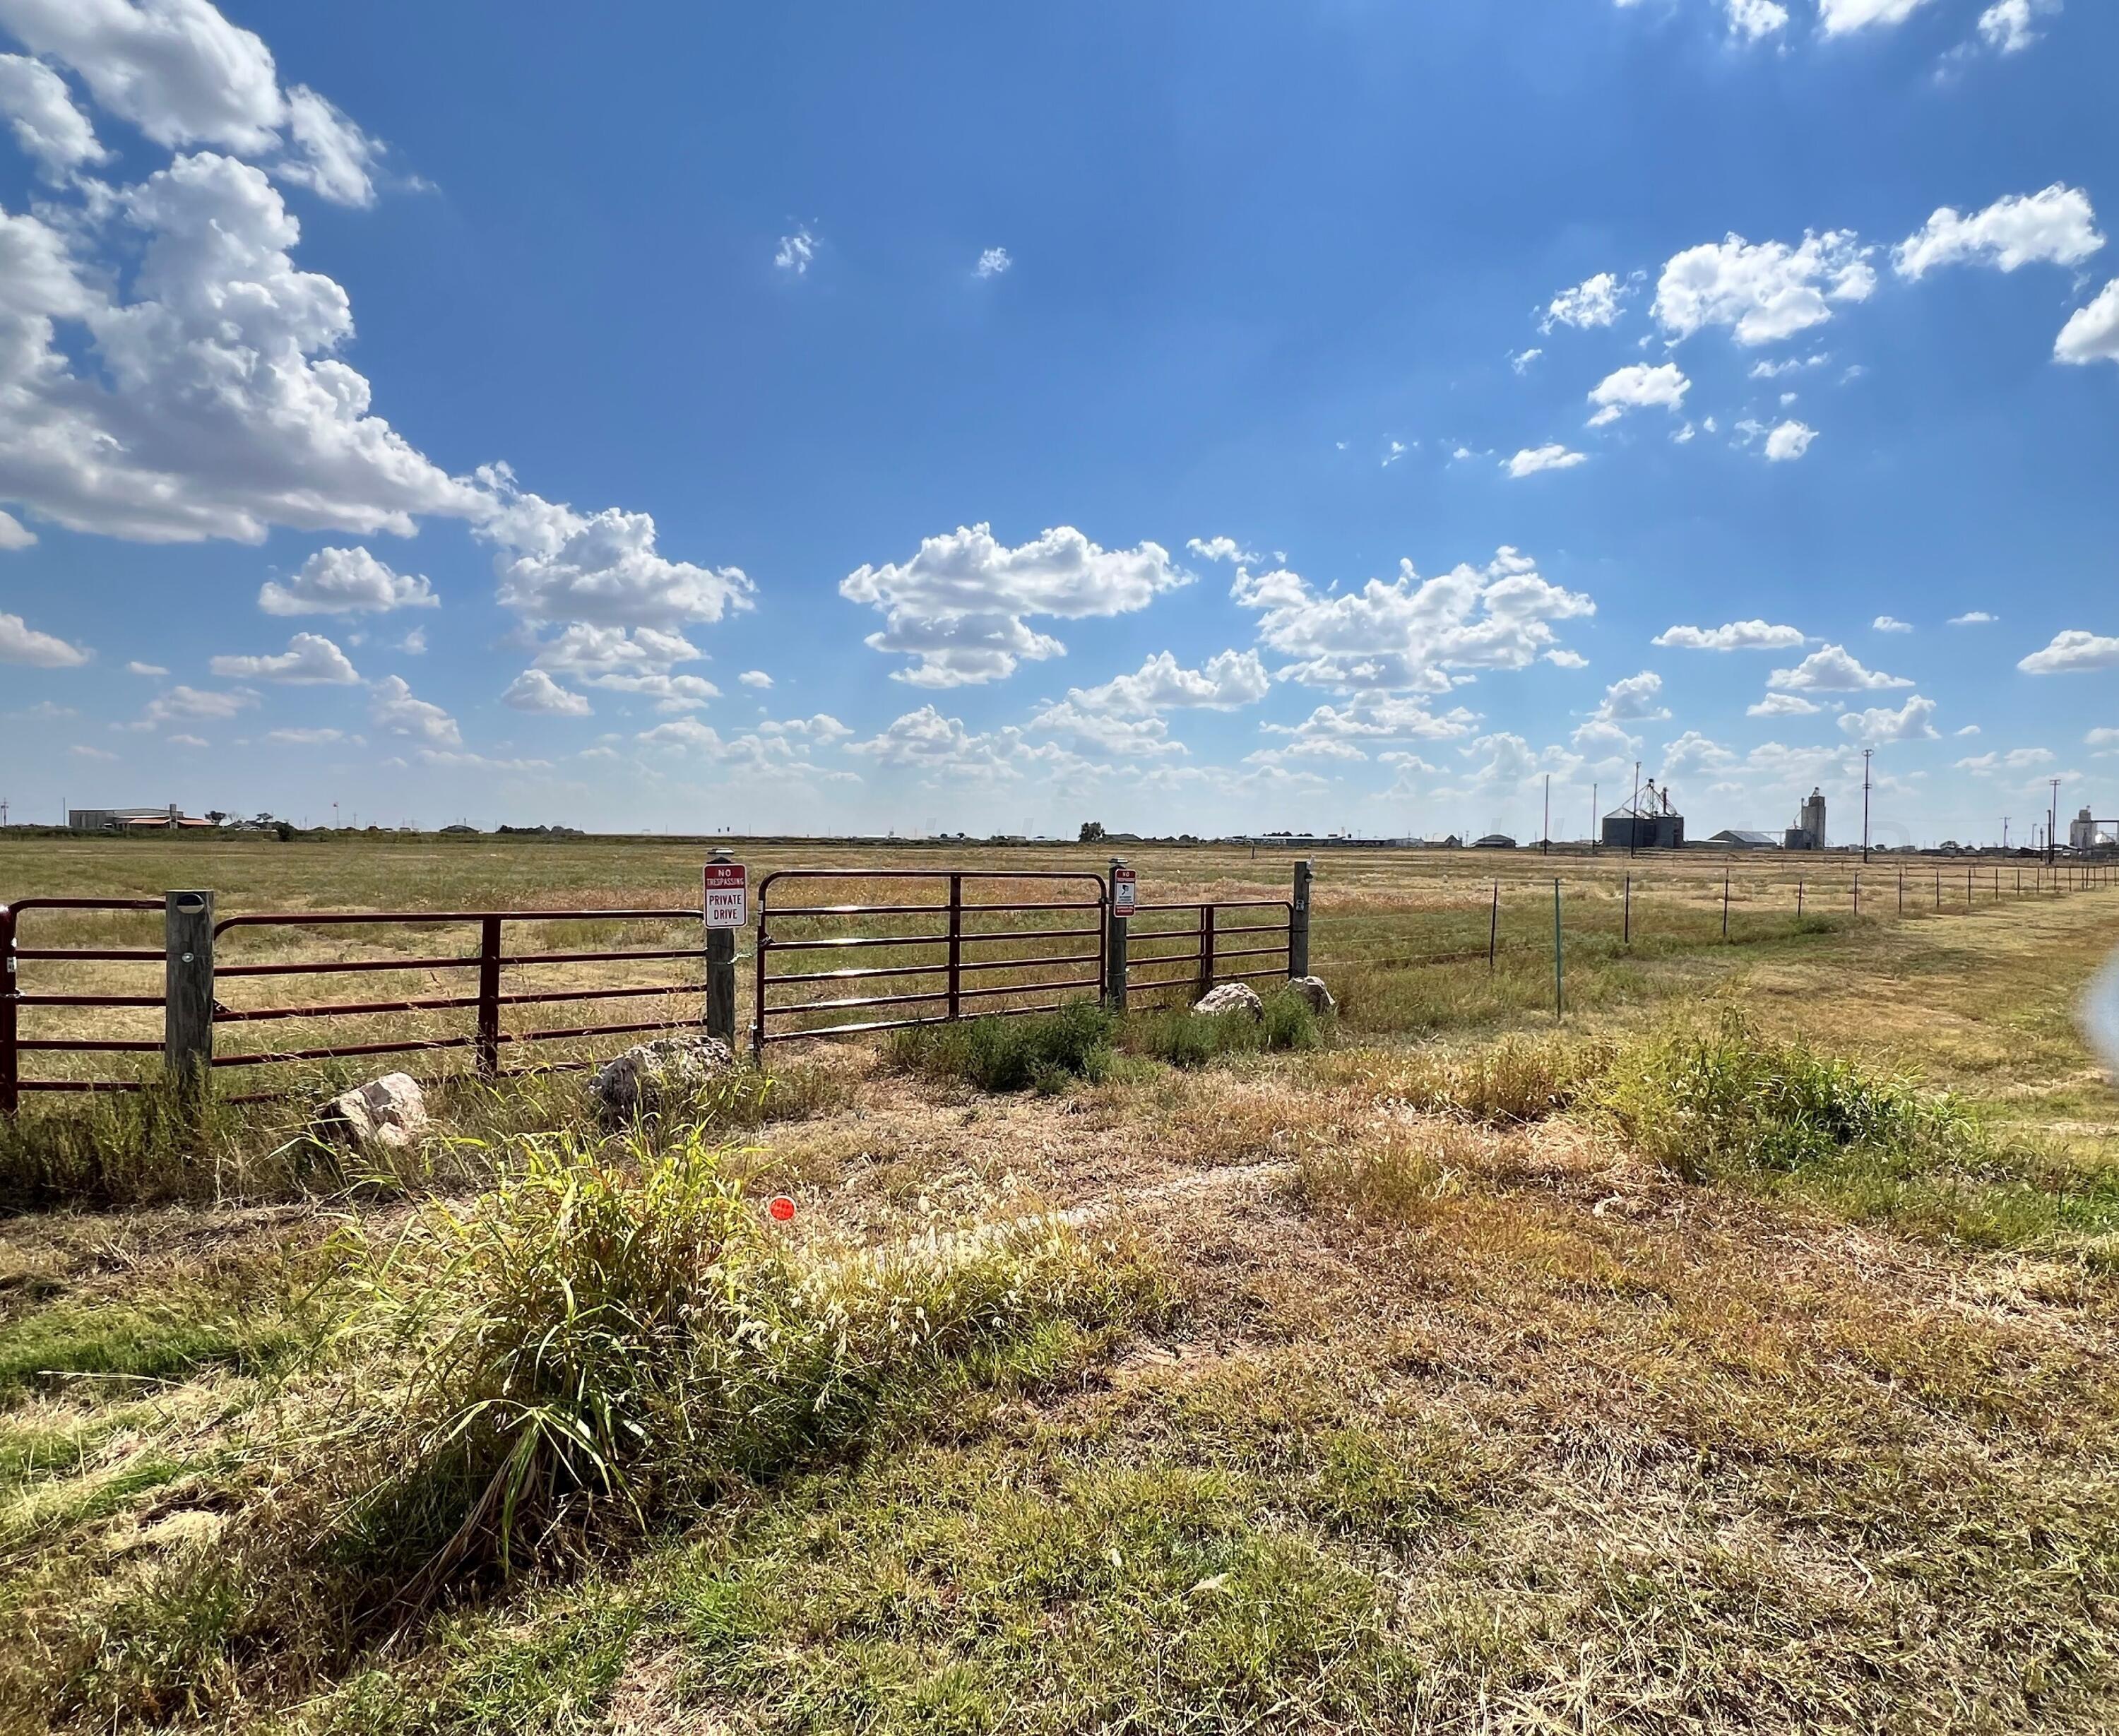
x: 720, y: 973
x: 1114, y: 942
x: 187, y: 989
x: 1298, y: 921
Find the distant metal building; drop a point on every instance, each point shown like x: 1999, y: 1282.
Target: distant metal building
x: 1652, y: 825
x: 1808, y: 832
x: 171, y: 818
x: 1737, y: 839
x: 1495, y: 841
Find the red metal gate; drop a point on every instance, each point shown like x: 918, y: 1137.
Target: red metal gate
x: 486, y: 1038
x: 951, y: 954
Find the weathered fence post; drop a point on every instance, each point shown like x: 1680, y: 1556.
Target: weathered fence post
x: 10, y: 1065
x: 1206, y: 947
x: 1858, y: 891
x: 1298, y: 922
x: 487, y: 1049
x: 1626, y: 932
x: 1115, y: 918
x: 1493, y: 930
x: 1558, y: 959
x: 720, y: 972
x: 1725, y: 904
x: 1798, y: 900
x: 187, y: 988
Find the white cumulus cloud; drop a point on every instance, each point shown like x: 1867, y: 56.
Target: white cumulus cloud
x: 1837, y: 17
x: 210, y: 403
x: 22, y: 643
x: 2092, y: 332
x: 992, y: 263
x: 1788, y: 441
x: 46, y: 122
x: 1593, y: 301
x: 1831, y: 669
x: 1763, y: 293
x: 795, y: 253
x: 393, y: 709
x: 309, y: 661
x: 2005, y: 26
x: 1890, y: 624
x: 959, y: 608
x: 1755, y: 19
x: 2056, y: 226
x: 556, y: 564
x: 1553, y: 457
x: 1737, y: 636
x: 535, y: 691
x: 1410, y: 633
x: 1637, y: 386
x: 183, y: 74
x: 345, y: 581
x: 2072, y: 651
x: 1914, y: 721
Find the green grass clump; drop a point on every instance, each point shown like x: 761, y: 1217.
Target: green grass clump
x: 134, y: 1347
x: 613, y: 1336
x: 1184, y: 1038
x: 607, y: 1330
x: 1033, y: 1050
x: 1707, y: 1103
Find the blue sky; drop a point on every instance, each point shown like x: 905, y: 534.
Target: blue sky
x: 1190, y: 417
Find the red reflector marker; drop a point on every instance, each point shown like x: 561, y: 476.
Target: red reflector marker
x: 782, y: 1208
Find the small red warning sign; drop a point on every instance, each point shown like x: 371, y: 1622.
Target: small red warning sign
x: 1125, y: 891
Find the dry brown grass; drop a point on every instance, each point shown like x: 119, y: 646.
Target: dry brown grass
x: 1474, y: 1419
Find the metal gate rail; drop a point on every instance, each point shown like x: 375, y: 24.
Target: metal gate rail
x: 12, y: 998
x: 958, y: 946
x: 1207, y: 932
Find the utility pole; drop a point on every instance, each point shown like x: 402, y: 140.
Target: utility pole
x: 2052, y: 819
x: 1866, y: 753
x: 2005, y: 832
x: 1546, y: 847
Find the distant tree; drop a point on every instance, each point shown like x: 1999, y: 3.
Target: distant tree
x: 284, y: 830
x: 216, y: 816
x: 1092, y: 831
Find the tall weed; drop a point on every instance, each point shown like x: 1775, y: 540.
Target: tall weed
x: 1708, y: 1104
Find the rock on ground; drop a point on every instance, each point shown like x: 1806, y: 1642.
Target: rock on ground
x: 651, y: 1074
x: 390, y: 1112
x: 1230, y: 997
x: 1312, y: 990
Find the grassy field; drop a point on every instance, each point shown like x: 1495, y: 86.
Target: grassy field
x: 1735, y: 1353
